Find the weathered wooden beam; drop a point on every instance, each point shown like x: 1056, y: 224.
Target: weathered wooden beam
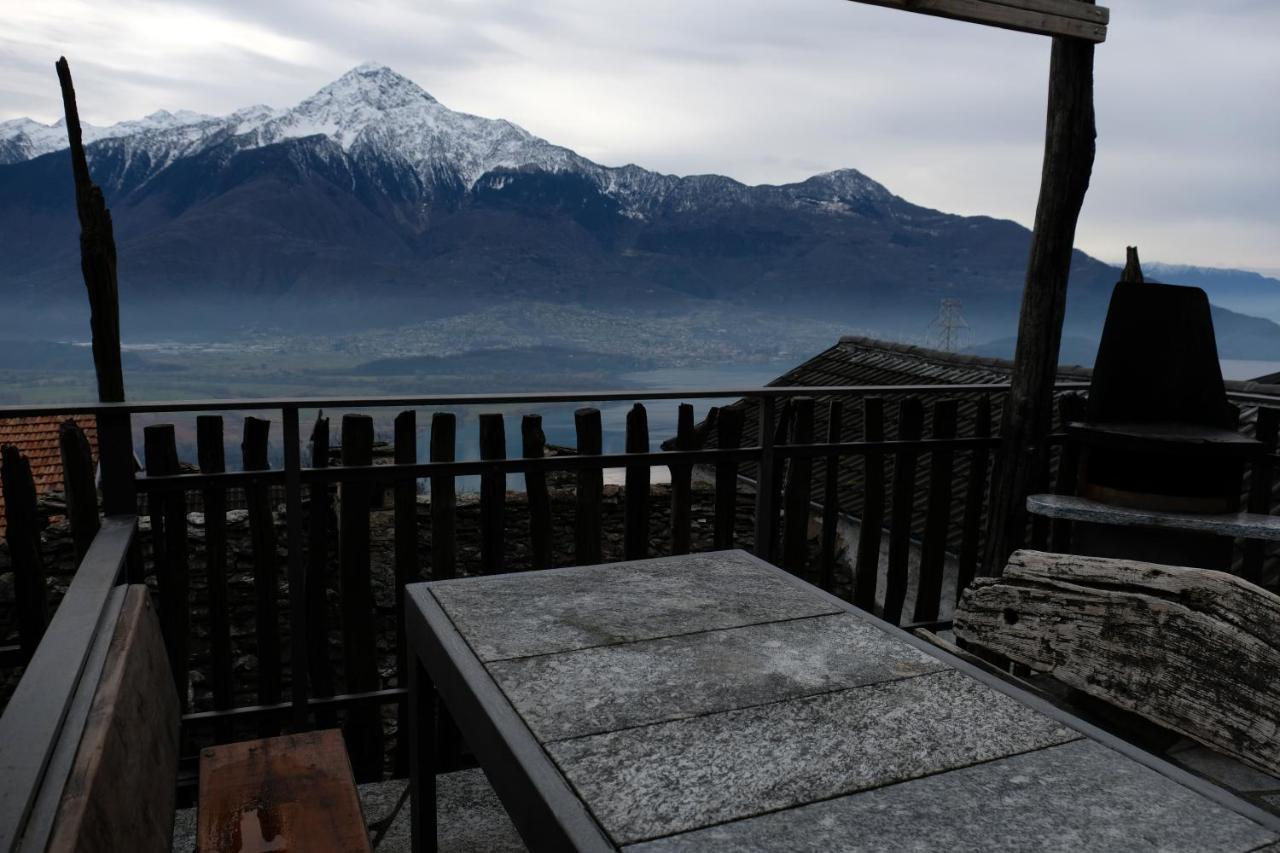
x: 1193, y: 650
x: 1068, y: 163
x: 97, y: 254
x: 1073, y: 19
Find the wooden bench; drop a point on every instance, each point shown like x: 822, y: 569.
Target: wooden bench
x: 294, y: 792
x: 120, y: 792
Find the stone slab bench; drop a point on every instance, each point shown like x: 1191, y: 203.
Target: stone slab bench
x: 1240, y: 525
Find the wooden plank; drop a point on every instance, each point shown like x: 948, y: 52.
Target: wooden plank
x: 1261, y: 481
x: 363, y: 728
x: 78, y: 487
x: 830, y: 497
x: 1071, y: 408
x: 587, y: 510
x: 635, y: 525
x: 172, y: 563
x: 867, y: 568
x: 533, y: 446
x: 493, y: 495
x: 974, y: 499
x: 729, y: 424
x: 319, y: 510
x: 771, y: 486
x: 120, y: 792
x: 444, y: 498
x: 910, y: 425
x: 1059, y: 18
x: 682, y: 484
x: 406, y: 562
x: 294, y: 792
x: 1068, y: 163
x: 933, y: 547
x: 262, y: 536
x: 97, y: 254
x: 798, y: 487
x: 22, y: 532
x: 211, y: 455
x: 1193, y: 650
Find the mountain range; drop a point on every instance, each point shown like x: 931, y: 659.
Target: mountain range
x: 371, y: 203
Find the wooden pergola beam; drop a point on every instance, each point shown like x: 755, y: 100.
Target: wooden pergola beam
x: 1059, y: 18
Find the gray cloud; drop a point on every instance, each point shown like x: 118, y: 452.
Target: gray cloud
x: 946, y: 114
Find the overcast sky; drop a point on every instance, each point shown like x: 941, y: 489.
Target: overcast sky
x: 946, y: 114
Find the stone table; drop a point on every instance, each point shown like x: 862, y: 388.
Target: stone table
x: 712, y: 702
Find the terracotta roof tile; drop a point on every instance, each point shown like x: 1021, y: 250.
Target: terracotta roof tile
x: 37, y: 438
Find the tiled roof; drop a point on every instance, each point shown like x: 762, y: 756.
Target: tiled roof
x: 37, y: 438
x: 866, y: 361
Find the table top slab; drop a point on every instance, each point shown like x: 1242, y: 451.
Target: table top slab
x: 601, y: 689
x: 1077, y: 796
x: 719, y: 767
x: 517, y: 615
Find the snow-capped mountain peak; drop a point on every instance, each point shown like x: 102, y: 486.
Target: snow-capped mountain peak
x: 371, y: 111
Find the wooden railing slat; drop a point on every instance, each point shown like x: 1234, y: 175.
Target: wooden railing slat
x: 22, y: 532
x: 830, y: 497
x: 493, y: 495
x: 364, y: 726
x: 682, y: 484
x: 1261, y: 481
x: 799, y: 483
x: 867, y: 569
x: 406, y: 562
x: 635, y: 527
x: 771, y: 485
x: 78, y: 487
x: 169, y: 547
x: 910, y: 425
x: 975, y: 499
x: 444, y: 498
x: 933, y: 547
x: 319, y: 663
x: 262, y: 534
x: 211, y: 455
x: 1071, y: 407
x: 533, y: 445
x: 587, y: 510
x: 729, y: 423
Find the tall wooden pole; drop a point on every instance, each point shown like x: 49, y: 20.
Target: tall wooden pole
x: 1068, y: 162
x: 98, y: 266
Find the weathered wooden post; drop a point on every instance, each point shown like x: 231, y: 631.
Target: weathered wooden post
x: 1068, y: 162
x: 98, y: 266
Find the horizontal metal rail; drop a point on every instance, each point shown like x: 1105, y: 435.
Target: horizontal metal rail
x: 393, y: 471
x: 507, y: 399
x: 43, y: 722
x: 282, y: 709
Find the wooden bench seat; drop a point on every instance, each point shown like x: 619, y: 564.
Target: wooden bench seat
x: 294, y: 792
x: 119, y: 794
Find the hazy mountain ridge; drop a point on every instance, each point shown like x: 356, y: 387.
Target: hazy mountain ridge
x: 370, y: 203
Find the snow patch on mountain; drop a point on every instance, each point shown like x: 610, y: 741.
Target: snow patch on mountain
x: 371, y: 111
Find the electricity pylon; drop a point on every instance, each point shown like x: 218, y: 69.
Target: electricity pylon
x: 948, y: 329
